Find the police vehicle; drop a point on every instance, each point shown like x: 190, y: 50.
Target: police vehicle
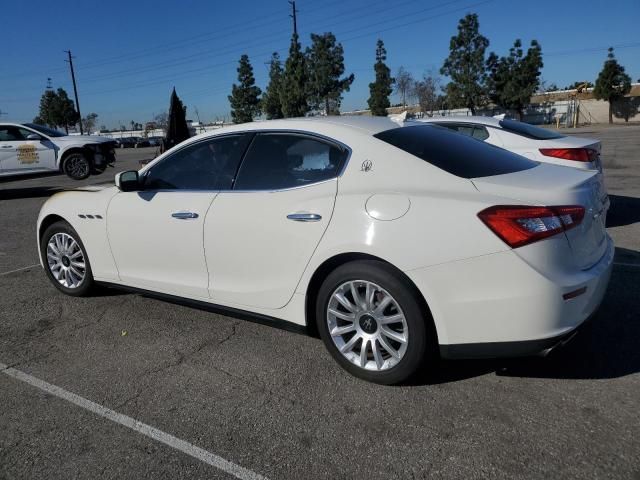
x: 29, y: 148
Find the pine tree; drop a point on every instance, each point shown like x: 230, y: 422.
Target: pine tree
x: 271, y: 104
x: 295, y: 82
x: 513, y: 79
x: 465, y: 65
x: 244, y: 98
x: 177, y: 130
x: 66, y: 110
x: 325, y: 59
x: 612, y: 83
x: 57, y: 109
x: 382, y: 87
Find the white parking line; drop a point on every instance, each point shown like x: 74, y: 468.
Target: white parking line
x: 147, y: 430
x: 19, y: 269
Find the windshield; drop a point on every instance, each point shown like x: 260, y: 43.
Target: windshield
x: 452, y: 152
x: 49, y: 132
x: 527, y: 130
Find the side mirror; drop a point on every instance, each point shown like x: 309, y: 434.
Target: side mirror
x: 34, y: 136
x: 128, y: 181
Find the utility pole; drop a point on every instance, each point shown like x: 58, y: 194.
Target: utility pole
x: 293, y: 15
x: 75, y: 89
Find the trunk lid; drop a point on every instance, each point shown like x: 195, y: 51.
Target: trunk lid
x: 551, y: 185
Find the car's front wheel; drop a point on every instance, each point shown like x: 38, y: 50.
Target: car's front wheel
x: 371, y: 321
x: 65, y: 260
x: 77, y: 166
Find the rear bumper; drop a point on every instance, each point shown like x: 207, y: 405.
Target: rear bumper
x: 523, y: 348
x: 499, y: 305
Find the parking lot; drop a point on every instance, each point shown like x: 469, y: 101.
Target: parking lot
x: 228, y: 397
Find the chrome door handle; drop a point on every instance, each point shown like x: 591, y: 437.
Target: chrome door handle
x: 304, y: 217
x: 184, y: 215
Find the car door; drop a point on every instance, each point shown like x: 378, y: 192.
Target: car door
x: 18, y: 153
x: 260, y: 236
x: 156, y: 234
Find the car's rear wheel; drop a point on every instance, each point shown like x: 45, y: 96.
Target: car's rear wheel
x: 77, y: 166
x: 65, y: 260
x: 371, y: 321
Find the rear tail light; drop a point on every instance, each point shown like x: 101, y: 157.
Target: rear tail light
x: 520, y: 225
x: 575, y: 154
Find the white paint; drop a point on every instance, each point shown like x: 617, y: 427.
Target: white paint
x: 19, y: 269
x: 147, y: 430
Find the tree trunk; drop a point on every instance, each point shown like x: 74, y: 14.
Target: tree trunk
x: 610, y: 112
x: 520, y: 114
x: 473, y: 109
x: 326, y: 106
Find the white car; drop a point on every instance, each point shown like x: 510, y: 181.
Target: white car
x: 527, y: 140
x: 391, y: 241
x: 30, y: 148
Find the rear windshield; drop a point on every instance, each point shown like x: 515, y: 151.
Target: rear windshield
x: 527, y: 130
x: 455, y: 153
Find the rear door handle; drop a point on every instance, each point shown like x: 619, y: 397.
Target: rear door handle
x: 7, y: 146
x: 304, y: 217
x: 184, y: 215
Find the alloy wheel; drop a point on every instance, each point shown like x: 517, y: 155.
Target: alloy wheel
x: 367, y: 325
x: 65, y: 260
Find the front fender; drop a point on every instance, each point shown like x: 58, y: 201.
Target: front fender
x: 86, y: 212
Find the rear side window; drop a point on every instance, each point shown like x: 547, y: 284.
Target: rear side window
x: 456, y: 154
x: 529, y: 131
x: 283, y: 160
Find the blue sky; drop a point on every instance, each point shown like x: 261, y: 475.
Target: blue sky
x: 130, y: 54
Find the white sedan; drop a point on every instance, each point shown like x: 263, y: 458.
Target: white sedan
x: 527, y: 140
x: 390, y: 241
x: 30, y: 148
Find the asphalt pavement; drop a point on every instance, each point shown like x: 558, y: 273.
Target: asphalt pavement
x: 274, y: 403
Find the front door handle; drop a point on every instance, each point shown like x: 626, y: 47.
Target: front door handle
x: 304, y: 217
x: 7, y: 146
x: 184, y: 215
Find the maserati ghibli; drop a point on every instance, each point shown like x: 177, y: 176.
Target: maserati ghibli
x: 391, y: 242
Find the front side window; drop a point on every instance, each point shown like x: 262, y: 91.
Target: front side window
x: 206, y: 165
x: 47, y: 131
x: 282, y: 160
x: 10, y: 133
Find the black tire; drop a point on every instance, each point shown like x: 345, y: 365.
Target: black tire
x: 76, y: 166
x: 87, y: 284
x: 405, y: 295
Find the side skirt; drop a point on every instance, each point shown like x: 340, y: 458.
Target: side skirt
x: 213, y: 308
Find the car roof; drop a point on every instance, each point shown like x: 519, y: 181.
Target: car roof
x: 490, y: 121
x: 361, y: 123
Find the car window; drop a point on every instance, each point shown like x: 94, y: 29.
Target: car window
x: 460, y: 156
x: 206, y: 165
x: 474, y: 131
x: 25, y: 133
x: 529, y: 131
x: 47, y: 131
x: 480, y: 133
x: 9, y: 133
x: 278, y: 160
